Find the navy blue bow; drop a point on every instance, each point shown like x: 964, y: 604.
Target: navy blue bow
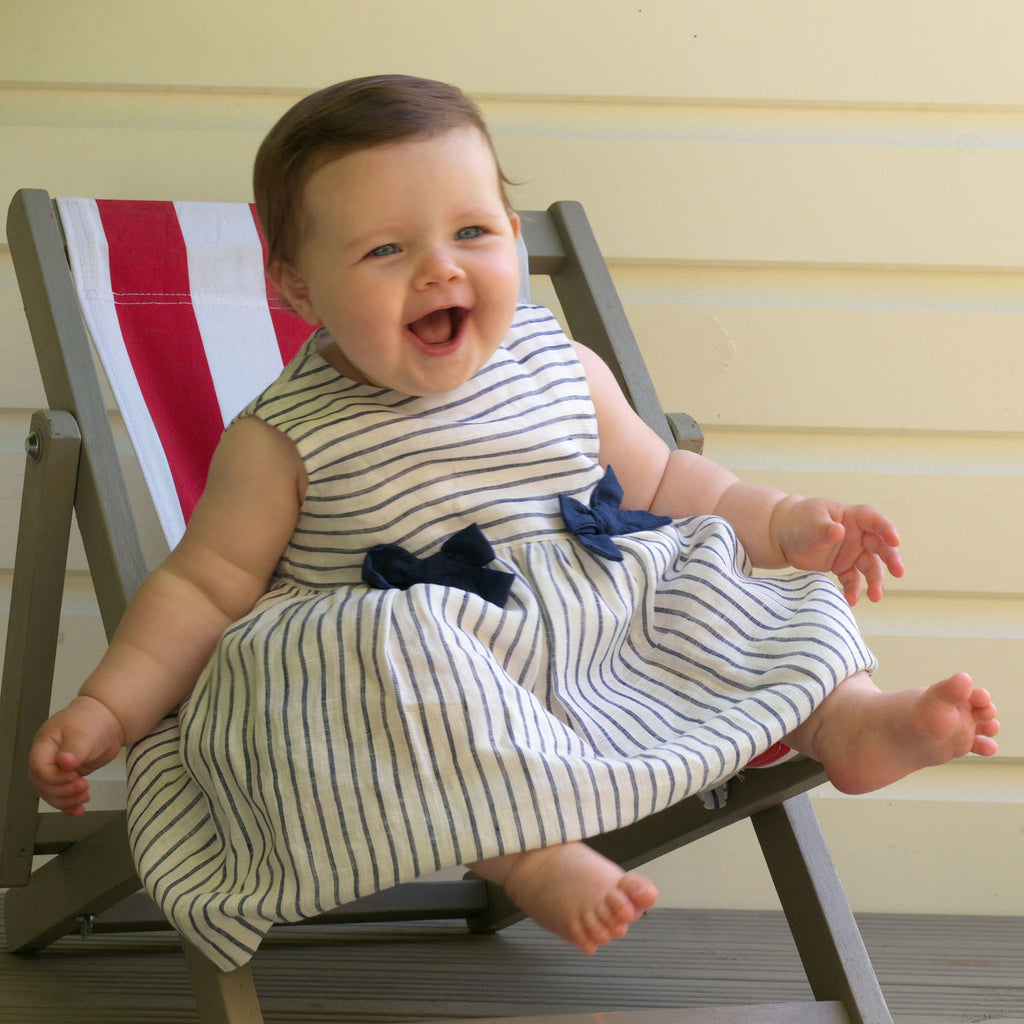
x: 460, y: 563
x: 595, y: 526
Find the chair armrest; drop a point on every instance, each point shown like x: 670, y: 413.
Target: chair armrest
x: 686, y: 431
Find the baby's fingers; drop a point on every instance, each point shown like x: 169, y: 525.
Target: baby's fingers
x: 55, y: 775
x: 872, y: 555
x: 874, y: 576
x: 887, y: 554
x: 870, y: 520
x: 828, y: 532
x: 43, y: 763
x: 867, y: 571
x: 879, y: 537
x: 64, y: 790
x: 852, y: 584
x: 70, y: 798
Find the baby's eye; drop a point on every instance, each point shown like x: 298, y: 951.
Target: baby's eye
x: 468, y: 234
x: 383, y: 250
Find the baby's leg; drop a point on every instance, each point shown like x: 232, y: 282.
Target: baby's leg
x: 866, y: 739
x: 572, y: 891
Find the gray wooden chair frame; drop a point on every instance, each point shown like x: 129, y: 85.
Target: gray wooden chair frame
x: 91, y: 884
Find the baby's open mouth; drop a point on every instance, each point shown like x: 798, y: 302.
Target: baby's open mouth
x: 439, y: 327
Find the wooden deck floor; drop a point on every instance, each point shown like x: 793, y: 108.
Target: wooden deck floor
x: 933, y: 970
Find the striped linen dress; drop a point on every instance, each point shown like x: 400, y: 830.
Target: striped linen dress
x: 345, y: 738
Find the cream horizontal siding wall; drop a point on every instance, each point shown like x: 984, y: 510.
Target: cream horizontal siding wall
x: 812, y: 211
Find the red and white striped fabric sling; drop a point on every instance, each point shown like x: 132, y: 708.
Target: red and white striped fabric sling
x: 178, y: 307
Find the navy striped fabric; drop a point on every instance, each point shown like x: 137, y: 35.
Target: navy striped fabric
x: 344, y: 739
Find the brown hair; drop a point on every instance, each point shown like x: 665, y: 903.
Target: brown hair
x: 343, y: 119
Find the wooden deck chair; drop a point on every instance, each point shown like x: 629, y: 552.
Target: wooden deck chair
x: 72, y: 465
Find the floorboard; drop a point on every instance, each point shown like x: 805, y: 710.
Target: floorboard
x: 933, y: 970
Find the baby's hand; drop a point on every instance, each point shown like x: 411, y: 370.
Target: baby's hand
x: 74, y: 742
x: 856, y: 542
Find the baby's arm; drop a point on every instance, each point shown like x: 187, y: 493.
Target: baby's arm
x: 776, y: 529
x: 214, y: 576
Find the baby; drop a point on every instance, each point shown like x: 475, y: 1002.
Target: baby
x: 446, y: 598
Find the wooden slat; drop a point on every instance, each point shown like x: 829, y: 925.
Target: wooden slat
x: 412, y: 901
x: 934, y: 970
x: 713, y: 359
x: 871, y: 52
x: 778, y: 1013
x: 782, y: 202
x: 745, y: 201
x: 56, y: 832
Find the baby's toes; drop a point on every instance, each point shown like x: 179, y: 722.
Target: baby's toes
x: 984, y: 745
x: 591, y: 932
x: 617, y: 908
x: 642, y: 892
x: 616, y: 912
x: 987, y: 713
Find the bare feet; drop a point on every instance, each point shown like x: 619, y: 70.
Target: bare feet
x: 866, y: 739
x: 573, y: 891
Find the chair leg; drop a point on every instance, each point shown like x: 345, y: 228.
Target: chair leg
x: 222, y: 997
x: 40, y: 562
x: 820, y: 918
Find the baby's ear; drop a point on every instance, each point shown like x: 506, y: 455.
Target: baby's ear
x: 293, y: 289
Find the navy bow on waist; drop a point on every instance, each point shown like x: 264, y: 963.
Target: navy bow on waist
x: 595, y: 526
x: 460, y: 563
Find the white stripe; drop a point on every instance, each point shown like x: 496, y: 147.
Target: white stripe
x: 226, y: 279
x: 89, y: 257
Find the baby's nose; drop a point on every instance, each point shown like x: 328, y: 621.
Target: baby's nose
x: 439, y: 266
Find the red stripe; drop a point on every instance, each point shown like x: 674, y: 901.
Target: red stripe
x: 290, y: 328
x: 149, y: 275
x: 776, y: 752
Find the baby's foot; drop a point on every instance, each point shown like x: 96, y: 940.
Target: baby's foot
x: 867, y: 739
x: 573, y: 891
